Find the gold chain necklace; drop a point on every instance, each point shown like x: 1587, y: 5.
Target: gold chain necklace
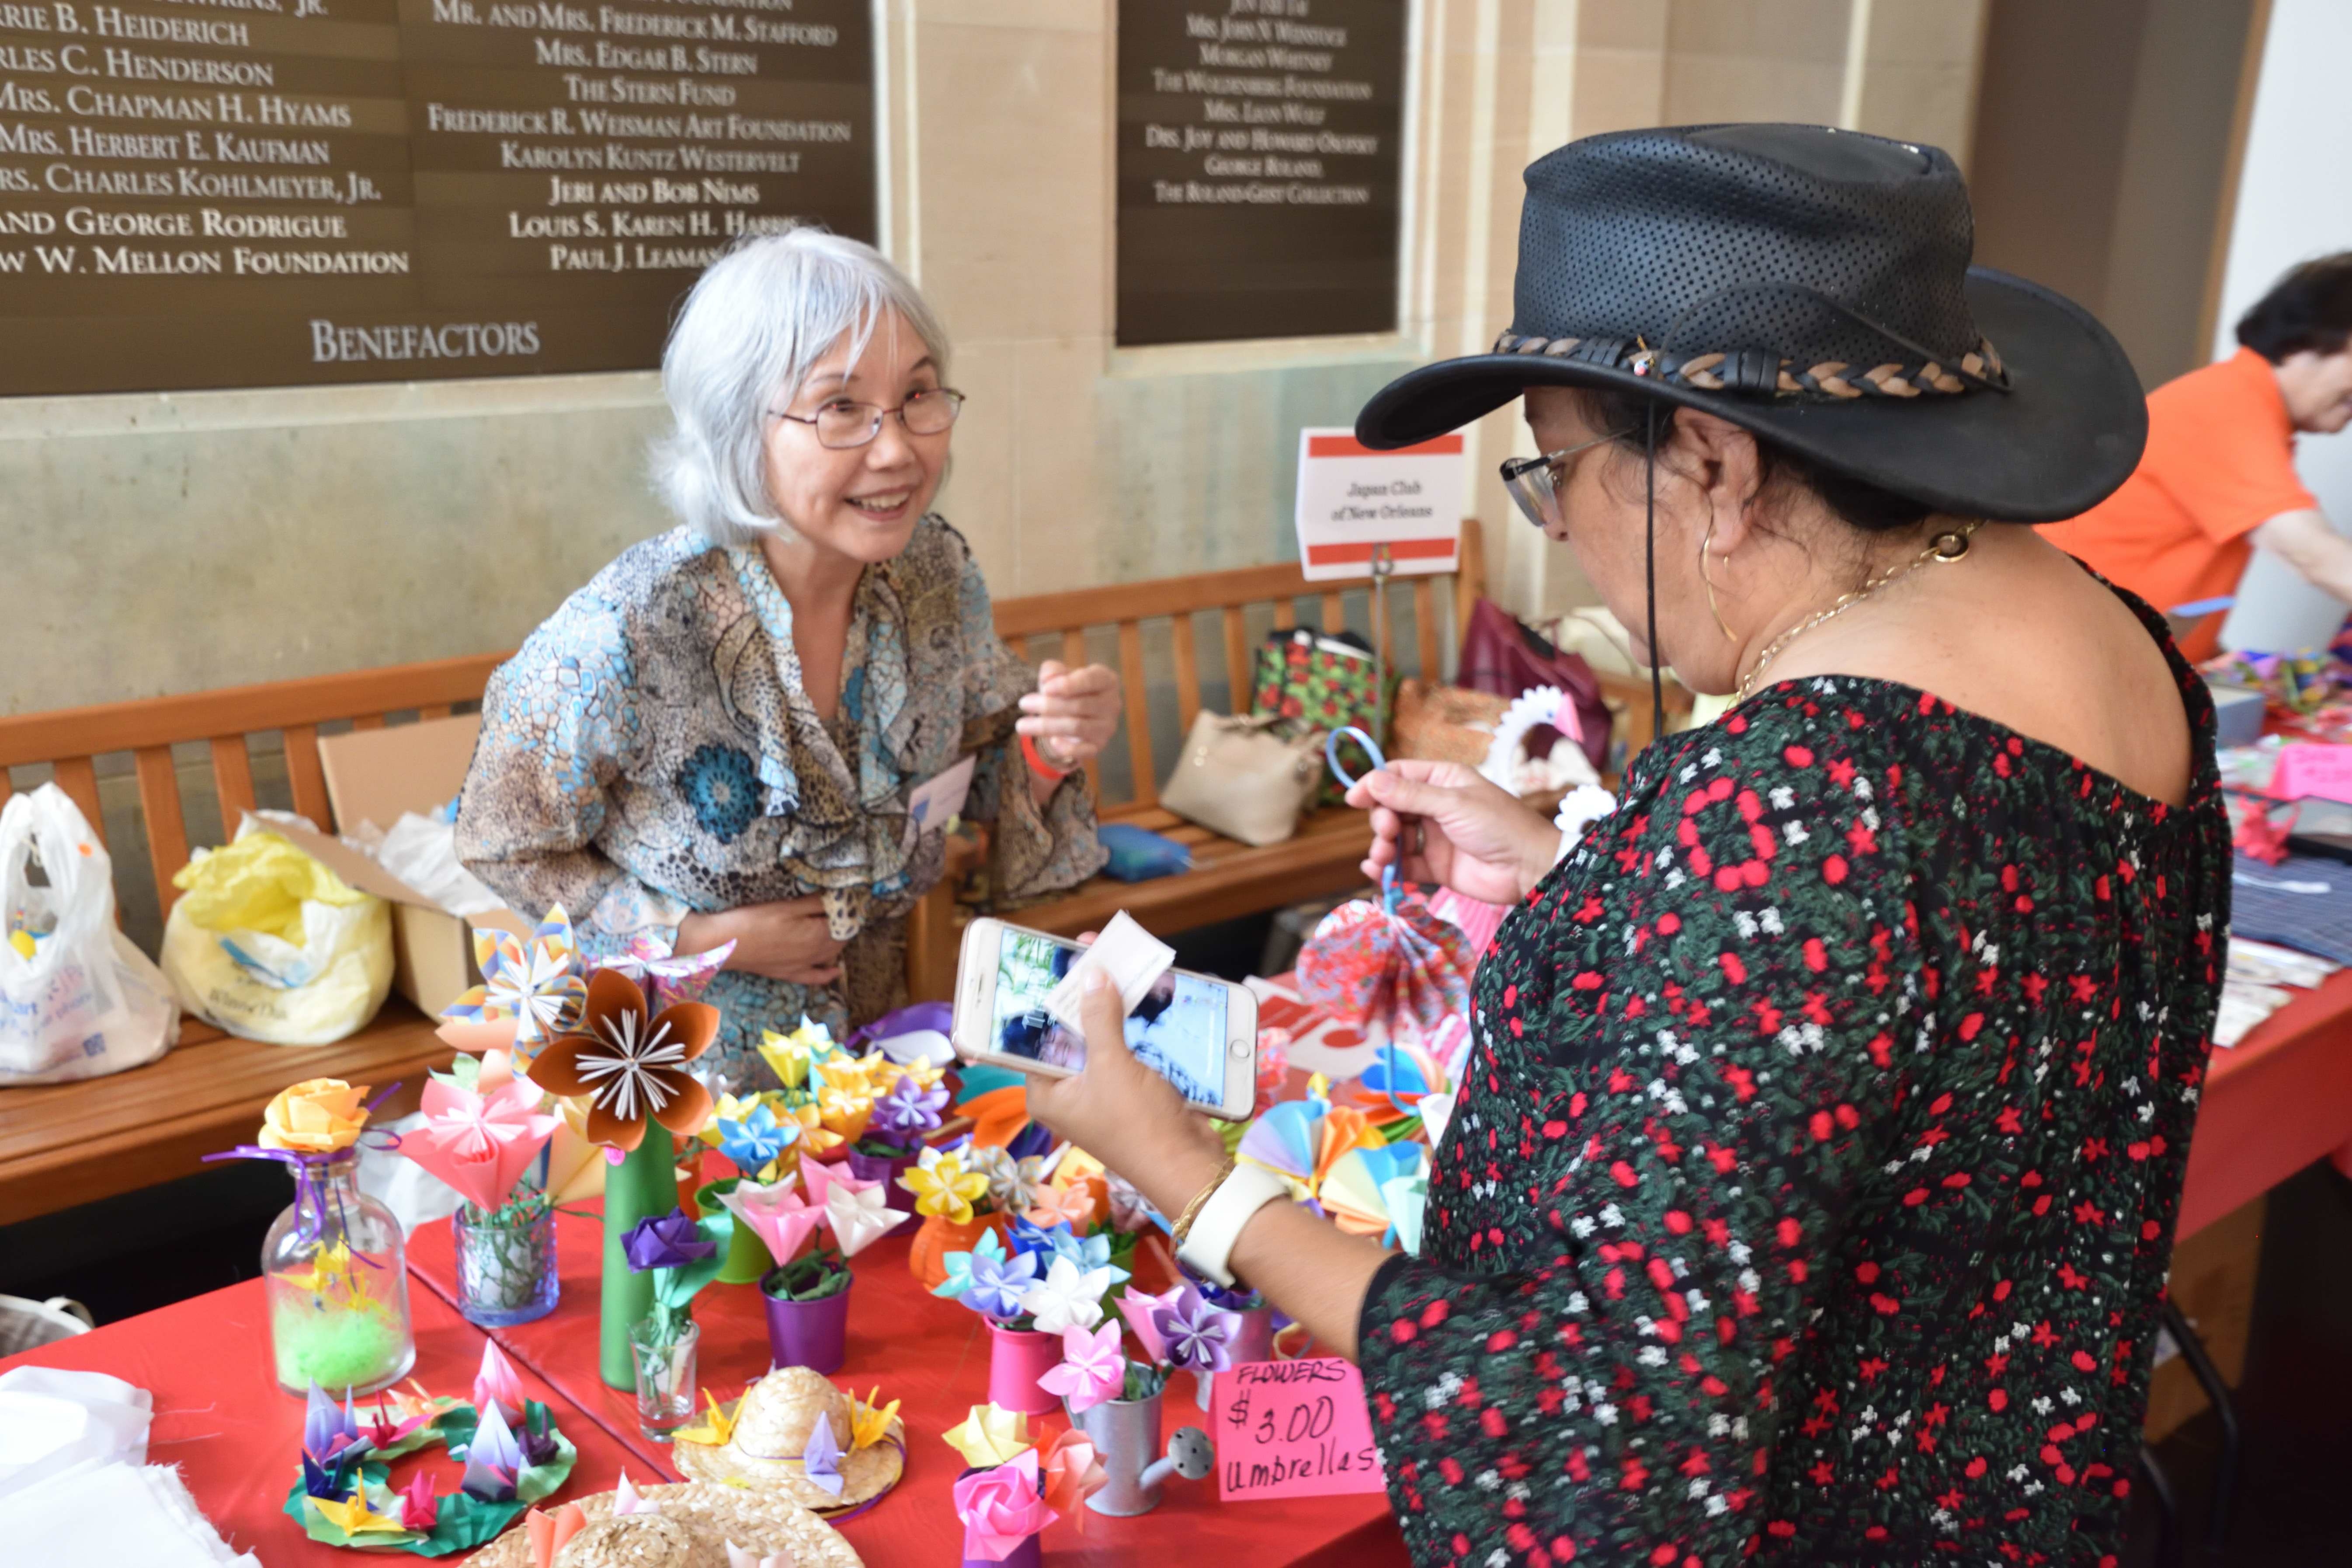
x: 1947, y: 547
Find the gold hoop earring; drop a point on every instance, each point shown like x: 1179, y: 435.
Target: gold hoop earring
x: 1709, y: 581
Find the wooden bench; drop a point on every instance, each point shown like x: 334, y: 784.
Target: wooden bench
x: 197, y: 757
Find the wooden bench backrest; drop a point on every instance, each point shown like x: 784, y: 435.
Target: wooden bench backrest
x: 73, y: 740
x: 229, y: 720
x: 1230, y: 595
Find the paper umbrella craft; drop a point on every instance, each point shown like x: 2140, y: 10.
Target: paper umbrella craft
x: 1390, y: 967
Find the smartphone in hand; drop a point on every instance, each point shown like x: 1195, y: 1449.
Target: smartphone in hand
x: 1196, y: 1031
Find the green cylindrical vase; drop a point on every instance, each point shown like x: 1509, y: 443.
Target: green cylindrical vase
x: 644, y: 1184
x: 747, y: 1255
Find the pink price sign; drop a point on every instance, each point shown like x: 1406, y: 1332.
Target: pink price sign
x: 1293, y: 1428
x: 2312, y: 768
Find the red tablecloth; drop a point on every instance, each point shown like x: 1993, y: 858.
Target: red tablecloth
x: 2273, y: 1103
x: 220, y: 1417
x: 932, y: 1355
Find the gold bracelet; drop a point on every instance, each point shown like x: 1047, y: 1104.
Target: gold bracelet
x: 1183, y: 1227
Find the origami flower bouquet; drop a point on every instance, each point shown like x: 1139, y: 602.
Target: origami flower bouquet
x: 514, y: 1456
x: 1010, y: 1491
x: 484, y: 1135
x: 812, y: 1226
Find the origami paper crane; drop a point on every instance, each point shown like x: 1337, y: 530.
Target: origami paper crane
x: 352, y: 1516
x: 496, y: 1384
x: 715, y: 1430
x: 420, y: 1504
x: 537, y: 984
x: 479, y: 1143
x: 821, y: 1460
x: 869, y: 1419
x: 493, y: 1460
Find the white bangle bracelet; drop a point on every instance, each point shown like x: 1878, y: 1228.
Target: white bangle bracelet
x: 1219, y: 1224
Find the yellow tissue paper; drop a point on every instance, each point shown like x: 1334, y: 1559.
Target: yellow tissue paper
x: 260, y: 883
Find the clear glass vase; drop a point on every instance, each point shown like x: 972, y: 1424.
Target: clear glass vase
x: 336, y: 1276
x: 506, y: 1263
x: 666, y: 1367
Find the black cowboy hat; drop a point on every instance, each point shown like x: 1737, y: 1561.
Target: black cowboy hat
x: 1814, y: 286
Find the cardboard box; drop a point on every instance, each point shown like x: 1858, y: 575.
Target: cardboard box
x: 374, y: 775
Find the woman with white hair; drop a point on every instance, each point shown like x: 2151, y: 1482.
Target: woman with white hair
x: 721, y: 738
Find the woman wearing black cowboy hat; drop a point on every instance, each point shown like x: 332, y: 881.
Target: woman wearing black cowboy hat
x: 1811, y: 1187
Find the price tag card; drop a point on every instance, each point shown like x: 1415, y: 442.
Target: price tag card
x: 1293, y: 1428
x: 2309, y: 768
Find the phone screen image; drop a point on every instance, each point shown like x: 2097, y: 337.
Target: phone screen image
x: 1178, y: 1030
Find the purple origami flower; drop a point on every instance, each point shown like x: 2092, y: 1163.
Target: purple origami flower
x: 997, y: 1284
x: 665, y: 1241
x: 1197, y: 1335
x: 909, y: 1110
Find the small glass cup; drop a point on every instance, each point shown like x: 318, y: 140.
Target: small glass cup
x: 506, y: 1264
x: 665, y: 1376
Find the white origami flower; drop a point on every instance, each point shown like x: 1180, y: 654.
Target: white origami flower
x: 1066, y: 1298
x: 859, y: 1215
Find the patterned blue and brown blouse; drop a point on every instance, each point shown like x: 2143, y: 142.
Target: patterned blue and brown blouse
x: 651, y: 752
x: 1812, y: 1189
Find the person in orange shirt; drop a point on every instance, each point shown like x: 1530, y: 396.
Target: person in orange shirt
x: 2217, y: 476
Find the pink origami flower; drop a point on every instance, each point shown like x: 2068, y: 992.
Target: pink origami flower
x: 1000, y: 1508
x: 1073, y: 1472
x: 496, y: 1385
x: 1138, y: 1308
x: 479, y: 1143
x: 1093, y: 1368
x: 779, y: 1215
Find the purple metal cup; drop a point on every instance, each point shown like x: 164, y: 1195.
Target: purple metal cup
x: 1026, y: 1556
x: 813, y: 1334
x: 874, y: 1167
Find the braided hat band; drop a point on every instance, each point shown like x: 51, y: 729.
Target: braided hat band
x: 1758, y: 370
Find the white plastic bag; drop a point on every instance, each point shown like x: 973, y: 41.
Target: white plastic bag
x: 271, y: 945
x: 85, y: 1002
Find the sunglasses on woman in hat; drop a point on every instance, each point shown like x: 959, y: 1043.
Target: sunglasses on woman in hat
x: 1809, y: 1187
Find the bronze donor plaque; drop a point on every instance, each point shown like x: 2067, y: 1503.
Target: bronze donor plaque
x: 1259, y: 168
x: 265, y: 193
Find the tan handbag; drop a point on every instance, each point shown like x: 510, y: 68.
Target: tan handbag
x: 1240, y: 778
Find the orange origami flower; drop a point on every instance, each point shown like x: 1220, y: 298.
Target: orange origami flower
x: 631, y: 1066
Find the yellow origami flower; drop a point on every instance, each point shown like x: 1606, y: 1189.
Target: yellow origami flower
x: 990, y: 1436
x: 846, y: 1111
x: 869, y: 1420
x: 817, y: 1137
x: 717, y: 1429
x: 353, y: 1517
x: 317, y: 1116
x: 790, y: 1055
x: 943, y: 1188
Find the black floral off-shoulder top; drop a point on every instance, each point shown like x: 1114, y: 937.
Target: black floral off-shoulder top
x: 1812, y: 1189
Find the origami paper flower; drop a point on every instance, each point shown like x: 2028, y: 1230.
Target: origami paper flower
x: 420, y: 1504
x: 989, y: 1435
x: 496, y: 1385
x: 821, y: 1460
x: 997, y: 1283
x: 317, y: 1116
x: 1072, y: 1206
x: 779, y: 1215
x: 944, y: 1186
x: 1012, y: 1183
x: 1086, y: 1251
x: 479, y: 1143
x: 1073, y: 1473
x: 630, y: 1065
x: 789, y: 1056
x: 1129, y: 1210
x: 626, y: 1500
x: 1000, y: 1508
x: 845, y: 1110
x: 665, y: 1241
x: 492, y: 1461
x: 1066, y: 1298
x: 535, y: 982
x: 1139, y: 1309
x: 859, y: 1216
x: 1197, y: 1335
x: 959, y: 1266
x: 666, y: 976
x: 755, y: 1141
x: 869, y: 1419
x: 909, y: 1111
x: 1093, y: 1368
